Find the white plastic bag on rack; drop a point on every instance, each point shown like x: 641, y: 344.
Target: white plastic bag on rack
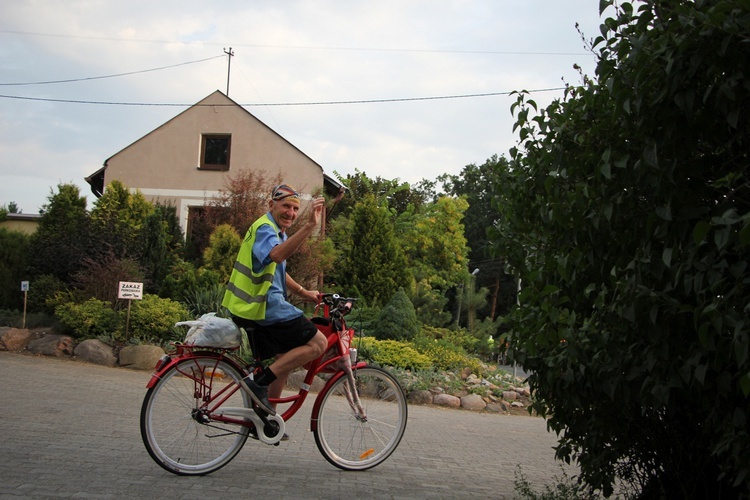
x: 210, y: 331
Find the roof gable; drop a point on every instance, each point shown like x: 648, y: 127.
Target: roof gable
x: 217, y: 98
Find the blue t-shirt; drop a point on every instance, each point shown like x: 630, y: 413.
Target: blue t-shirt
x: 277, y: 307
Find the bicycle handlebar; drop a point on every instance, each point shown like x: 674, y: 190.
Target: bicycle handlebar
x: 337, y: 303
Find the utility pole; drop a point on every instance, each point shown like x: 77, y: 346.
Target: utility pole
x: 229, y: 65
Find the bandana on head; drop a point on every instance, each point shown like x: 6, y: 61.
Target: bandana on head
x: 284, y: 192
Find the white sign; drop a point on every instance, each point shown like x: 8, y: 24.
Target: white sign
x: 24, y: 286
x: 130, y: 290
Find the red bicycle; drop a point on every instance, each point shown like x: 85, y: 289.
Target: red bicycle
x: 196, y: 418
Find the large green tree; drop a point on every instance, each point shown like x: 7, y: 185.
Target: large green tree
x: 118, y: 218
x: 394, y: 193
x: 372, y: 263
x: 434, y: 241
x: 474, y: 184
x: 625, y: 212
x: 160, y: 244
x: 63, y: 238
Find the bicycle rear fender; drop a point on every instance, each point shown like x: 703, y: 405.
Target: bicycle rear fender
x: 166, y: 362
x: 316, y: 407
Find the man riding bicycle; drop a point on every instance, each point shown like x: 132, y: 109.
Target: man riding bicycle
x: 257, y: 293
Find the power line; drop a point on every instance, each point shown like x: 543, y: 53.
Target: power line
x: 109, y: 76
x: 310, y: 103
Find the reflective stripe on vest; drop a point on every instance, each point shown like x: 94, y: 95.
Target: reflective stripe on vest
x: 247, y: 291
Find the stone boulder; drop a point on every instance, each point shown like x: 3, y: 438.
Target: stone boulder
x: 140, y: 357
x: 52, y: 345
x: 473, y: 402
x: 446, y: 400
x: 95, y: 351
x: 14, y: 339
x: 420, y: 397
x: 510, y: 395
x: 498, y: 407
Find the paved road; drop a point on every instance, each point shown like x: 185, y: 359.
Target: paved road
x: 70, y: 430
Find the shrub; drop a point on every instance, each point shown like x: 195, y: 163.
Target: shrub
x: 223, y: 246
x: 392, y: 353
x: 89, y: 319
x: 14, y: 251
x: 154, y: 317
x: 397, y: 320
x: 459, y: 337
x: 10, y: 318
x: 200, y: 301
x: 184, y: 277
x: 41, y: 290
x: 100, y: 277
x: 625, y: 215
x: 446, y: 356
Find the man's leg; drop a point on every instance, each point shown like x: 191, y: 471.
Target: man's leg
x: 298, y: 356
x: 287, y: 337
x: 276, y: 387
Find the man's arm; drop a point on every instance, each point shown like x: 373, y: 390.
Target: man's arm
x: 297, y: 289
x: 283, y: 251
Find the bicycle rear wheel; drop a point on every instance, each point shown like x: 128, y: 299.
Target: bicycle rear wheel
x: 176, y: 424
x: 350, y: 442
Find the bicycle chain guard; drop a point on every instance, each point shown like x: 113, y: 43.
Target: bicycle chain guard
x: 260, y: 425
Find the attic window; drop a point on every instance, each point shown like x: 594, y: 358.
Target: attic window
x: 215, y: 149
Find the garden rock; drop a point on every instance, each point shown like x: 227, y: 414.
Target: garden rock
x: 52, y: 345
x: 140, y: 357
x: 95, y: 351
x: 473, y: 402
x: 510, y: 395
x: 498, y: 407
x: 446, y: 400
x: 14, y: 339
x: 420, y: 397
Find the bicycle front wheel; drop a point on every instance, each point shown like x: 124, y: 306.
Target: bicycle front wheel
x: 350, y: 440
x: 177, y: 427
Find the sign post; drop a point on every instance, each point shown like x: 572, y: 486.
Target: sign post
x: 25, y: 290
x: 130, y: 291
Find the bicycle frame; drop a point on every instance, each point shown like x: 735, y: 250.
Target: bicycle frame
x: 335, y: 360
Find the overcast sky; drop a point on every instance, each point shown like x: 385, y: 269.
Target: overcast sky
x: 287, y: 53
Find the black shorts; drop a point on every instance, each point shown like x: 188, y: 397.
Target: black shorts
x: 268, y: 341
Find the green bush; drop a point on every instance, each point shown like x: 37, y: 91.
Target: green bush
x: 625, y: 214
x: 392, y: 353
x: 154, y: 317
x: 10, y: 318
x: 446, y: 356
x: 200, y: 301
x: 183, y: 277
x: 458, y: 337
x: 89, y: 319
x: 41, y: 290
x: 397, y: 320
x: 14, y: 252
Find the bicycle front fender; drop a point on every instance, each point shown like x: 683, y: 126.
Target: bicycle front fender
x: 316, y: 407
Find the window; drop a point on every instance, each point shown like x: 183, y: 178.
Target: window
x: 215, y: 150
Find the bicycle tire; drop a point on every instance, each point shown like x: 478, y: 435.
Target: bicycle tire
x: 177, y: 433
x: 350, y: 443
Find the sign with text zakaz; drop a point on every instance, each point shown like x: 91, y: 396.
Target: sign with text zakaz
x: 130, y: 290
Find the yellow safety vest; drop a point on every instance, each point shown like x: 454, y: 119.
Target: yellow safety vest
x: 247, y: 291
